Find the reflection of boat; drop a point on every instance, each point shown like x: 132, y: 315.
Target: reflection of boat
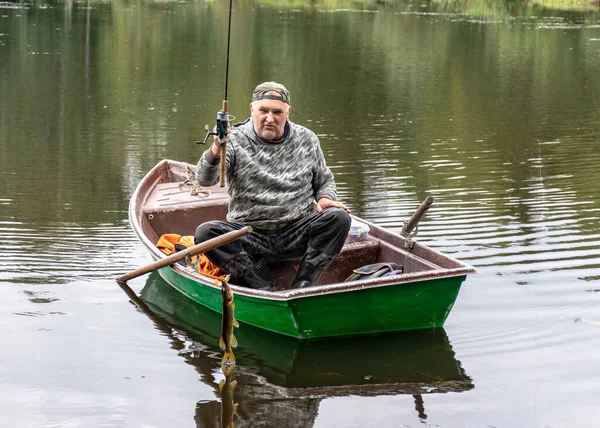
x: 417, y: 362
x: 420, y: 298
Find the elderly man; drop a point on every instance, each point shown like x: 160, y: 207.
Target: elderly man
x: 280, y: 185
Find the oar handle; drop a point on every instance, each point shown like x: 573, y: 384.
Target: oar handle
x: 203, y: 247
x: 416, y: 217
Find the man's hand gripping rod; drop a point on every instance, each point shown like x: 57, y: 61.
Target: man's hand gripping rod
x: 221, y: 134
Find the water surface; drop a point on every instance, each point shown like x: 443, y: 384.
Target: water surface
x: 493, y: 109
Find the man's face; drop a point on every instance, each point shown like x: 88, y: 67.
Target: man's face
x: 269, y: 117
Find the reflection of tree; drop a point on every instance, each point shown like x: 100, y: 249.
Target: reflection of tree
x: 389, y: 93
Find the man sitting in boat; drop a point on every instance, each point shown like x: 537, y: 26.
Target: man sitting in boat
x: 280, y: 185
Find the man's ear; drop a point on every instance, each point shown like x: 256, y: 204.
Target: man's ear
x: 251, y: 108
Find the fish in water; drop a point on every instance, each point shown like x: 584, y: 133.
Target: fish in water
x: 226, y: 387
x: 227, y: 340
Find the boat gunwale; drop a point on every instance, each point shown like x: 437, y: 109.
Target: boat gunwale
x: 284, y: 295
x: 321, y: 290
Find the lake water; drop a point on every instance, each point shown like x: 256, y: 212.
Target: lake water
x: 491, y: 108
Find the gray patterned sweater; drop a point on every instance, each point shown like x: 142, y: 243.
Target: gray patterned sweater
x: 270, y: 184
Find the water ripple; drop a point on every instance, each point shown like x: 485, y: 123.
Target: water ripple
x: 60, y: 253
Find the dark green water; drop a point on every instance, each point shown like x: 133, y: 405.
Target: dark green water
x: 492, y: 108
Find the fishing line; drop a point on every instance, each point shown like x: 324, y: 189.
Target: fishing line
x: 223, y: 118
x: 228, y: 46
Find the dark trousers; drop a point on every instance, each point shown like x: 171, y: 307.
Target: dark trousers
x: 318, y: 237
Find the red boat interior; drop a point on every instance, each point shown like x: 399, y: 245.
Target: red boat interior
x: 172, y: 208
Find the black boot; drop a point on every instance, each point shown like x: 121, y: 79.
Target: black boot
x: 307, y: 275
x: 258, y: 277
x: 312, y: 265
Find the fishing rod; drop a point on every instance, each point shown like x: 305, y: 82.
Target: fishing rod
x: 222, y: 115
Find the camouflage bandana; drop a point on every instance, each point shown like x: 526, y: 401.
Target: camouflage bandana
x: 261, y: 91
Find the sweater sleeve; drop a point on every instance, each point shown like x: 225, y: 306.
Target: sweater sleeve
x: 207, y: 169
x: 323, y: 183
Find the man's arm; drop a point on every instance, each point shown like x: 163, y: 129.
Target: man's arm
x: 207, y: 169
x: 324, y: 184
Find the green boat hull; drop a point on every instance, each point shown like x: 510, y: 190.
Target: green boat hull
x: 395, y: 307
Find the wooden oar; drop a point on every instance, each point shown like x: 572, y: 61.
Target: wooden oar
x: 203, y: 247
x: 416, y: 217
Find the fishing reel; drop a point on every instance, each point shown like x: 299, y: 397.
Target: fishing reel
x: 221, y: 129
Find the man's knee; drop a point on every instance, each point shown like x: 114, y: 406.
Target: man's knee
x: 339, y: 218
x: 208, y: 230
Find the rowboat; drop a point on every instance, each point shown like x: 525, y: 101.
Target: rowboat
x: 167, y: 202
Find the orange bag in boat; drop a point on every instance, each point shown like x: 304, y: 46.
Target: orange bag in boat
x: 170, y: 243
